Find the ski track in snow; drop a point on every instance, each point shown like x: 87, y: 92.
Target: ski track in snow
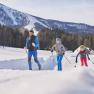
x: 15, y: 78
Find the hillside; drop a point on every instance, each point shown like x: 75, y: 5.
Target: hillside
x: 14, y: 18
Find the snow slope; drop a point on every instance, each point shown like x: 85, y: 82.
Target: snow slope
x: 15, y: 78
x: 14, y: 18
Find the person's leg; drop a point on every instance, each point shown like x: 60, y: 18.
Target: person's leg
x: 82, y: 62
x: 36, y: 59
x: 29, y: 62
x: 59, y: 60
x: 85, y: 62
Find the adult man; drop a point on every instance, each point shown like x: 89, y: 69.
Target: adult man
x: 32, y: 44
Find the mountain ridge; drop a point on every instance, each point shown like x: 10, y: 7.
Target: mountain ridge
x: 13, y: 18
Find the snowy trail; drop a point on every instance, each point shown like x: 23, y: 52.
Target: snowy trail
x: 16, y: 59
x: 22, y: 64
x: 15, y: 78
x: 47, y: 82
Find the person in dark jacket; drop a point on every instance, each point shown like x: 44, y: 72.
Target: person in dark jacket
x: 32, y: 44
x: 84, y: 55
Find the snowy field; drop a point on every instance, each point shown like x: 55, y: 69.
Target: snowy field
x: 15, y: 78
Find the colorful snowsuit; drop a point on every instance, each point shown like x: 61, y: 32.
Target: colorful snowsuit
x: 83, y: 57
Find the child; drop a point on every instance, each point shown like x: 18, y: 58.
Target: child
x: 60, y: 50
x: 83, y: 56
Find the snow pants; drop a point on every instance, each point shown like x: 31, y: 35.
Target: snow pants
x: 59, y: 62
x: 83, y: 61
x: 34, y: 54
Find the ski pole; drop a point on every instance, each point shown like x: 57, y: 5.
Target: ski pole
x: 52, y: 53
x: 67, y: 59
x: 91, y: 62
x: 26, y: 50
x: 70, y: 62
x: 75, y: 65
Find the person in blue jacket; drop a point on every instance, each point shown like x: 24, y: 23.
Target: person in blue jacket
x: 32, y: 44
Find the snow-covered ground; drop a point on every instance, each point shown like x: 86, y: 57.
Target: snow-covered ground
x: 15, y: 78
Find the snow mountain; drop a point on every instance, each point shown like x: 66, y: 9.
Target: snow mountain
x: 13, y: 18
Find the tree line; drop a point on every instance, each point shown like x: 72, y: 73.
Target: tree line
x: 70, y: 40
x: 14, y: 37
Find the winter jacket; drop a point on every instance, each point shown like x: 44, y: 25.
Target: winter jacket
x: 83, y: 54
x: 59, y: 48
x: 30, y: 40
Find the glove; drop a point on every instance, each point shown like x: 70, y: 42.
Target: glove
x: 75, y: 66
x: 51, y: 50
x: 88, y: 58
x: 63, y: 53
x: 76, y: 61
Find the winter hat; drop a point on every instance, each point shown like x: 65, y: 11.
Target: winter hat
x: 58, y: 40
x: 82, y: 47
x: 31, y: 31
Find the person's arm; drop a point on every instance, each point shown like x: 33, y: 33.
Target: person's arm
x: 37, y: 45
x: 63, y: 49
x: 88, y: 56
x: 53, y: 48
x: 26, y: 43
x: 77, y: 57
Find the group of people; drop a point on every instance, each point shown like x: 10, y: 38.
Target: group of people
x: 32, y: 44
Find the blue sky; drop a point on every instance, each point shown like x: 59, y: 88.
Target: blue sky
x: 64, y: 10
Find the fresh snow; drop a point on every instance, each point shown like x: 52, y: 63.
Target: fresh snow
x: 24, y: 19
x: 31, y: 24
x: 10, y: 14
x: 33, y: 20
x: 15, y: 78
x: 58, y: 25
